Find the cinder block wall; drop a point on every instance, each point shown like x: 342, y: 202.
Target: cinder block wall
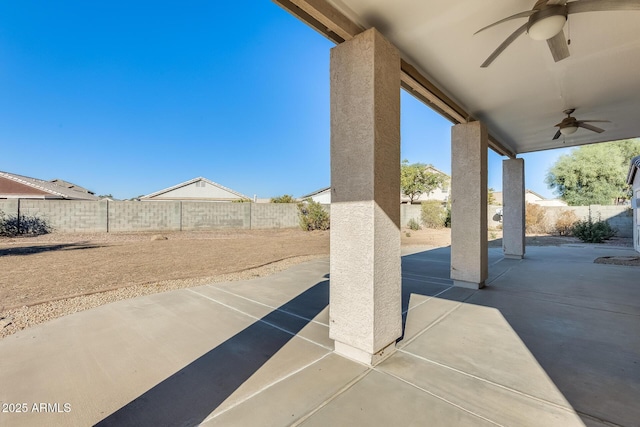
x: 64, y: 215
x: 101, y: 216
x: 619, y: 217
x: 9, y: 207
x: 409, y: 212
x: 147, y: 216
x: 210, y: 216
x: 274, y: 215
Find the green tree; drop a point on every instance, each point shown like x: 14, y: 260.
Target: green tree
x: 286, y: 198
x: 593, y: 174
x: 416, y: 179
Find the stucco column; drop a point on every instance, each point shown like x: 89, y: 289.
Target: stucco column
x: 469, y: 257
x: 365, y: 297
x: 513, y: 211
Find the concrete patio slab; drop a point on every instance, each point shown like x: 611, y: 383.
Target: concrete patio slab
x: 479, y: 341
x: 489, y: 400
x: 379, y: 399
x: 293, y: 398
x: 553, y: 340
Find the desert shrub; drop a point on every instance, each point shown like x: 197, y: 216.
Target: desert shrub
x: 286, y: 198
x: 593, y: 231
x: 312, y: 216
x: 241, y: 201
x: 565, y: 222
x: 433, y: 214
x: 413, y: 224
x: 447, y: 216
x: 535, y: 219
x: 23, y: 225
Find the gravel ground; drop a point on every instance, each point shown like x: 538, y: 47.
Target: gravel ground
x: 14, y: 320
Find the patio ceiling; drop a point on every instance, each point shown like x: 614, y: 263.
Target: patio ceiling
x: 522, y: 94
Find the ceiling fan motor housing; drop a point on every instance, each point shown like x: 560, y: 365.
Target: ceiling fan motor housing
x: 547, y: 22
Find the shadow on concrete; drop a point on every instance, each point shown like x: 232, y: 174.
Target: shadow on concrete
x: 568, y: 339
x: 31, y: 250
x: 187, y: 397
x: 576, y: 318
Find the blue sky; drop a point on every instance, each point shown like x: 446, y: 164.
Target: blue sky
x: 128, y: 98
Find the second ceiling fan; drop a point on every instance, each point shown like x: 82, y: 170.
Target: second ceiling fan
x: 570, y: 124
x: 547, y: 19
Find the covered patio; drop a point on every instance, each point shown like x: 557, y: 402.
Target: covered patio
x: 551, y: 341
x: 464, y: 335
x: 504, y: 74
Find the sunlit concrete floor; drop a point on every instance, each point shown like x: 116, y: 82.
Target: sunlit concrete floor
x: 553, y: 340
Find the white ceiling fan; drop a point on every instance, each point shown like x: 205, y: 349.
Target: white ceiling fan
x: 570, y: 125
x: 547, y: 19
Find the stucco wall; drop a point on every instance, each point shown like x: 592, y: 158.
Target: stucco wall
x: 636, y: 212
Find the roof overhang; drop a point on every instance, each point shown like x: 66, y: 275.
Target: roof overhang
x: 523, y: 94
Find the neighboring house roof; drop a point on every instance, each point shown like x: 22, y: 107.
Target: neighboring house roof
x: 633, y: 169
x: 220, y: 193
x: 315, y: 193
x: 436, y: 170
x: 535, y: 194
x: 57, y: 188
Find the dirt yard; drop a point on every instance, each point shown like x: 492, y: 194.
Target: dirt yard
x: 52, y: 275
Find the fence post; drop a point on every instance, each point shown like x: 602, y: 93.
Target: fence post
x: 18, y: 220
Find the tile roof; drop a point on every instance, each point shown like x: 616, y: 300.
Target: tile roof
x: 57, y: 187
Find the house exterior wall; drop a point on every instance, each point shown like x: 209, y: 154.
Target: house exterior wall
x: 550, y: 202
x: 200, y: 190
x: 636, y: 212
x: 440, y: 194
x: 324, y: 197
x: 531, y: 198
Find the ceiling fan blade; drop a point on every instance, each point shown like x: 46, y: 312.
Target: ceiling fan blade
x: 558, y: 46
x: 560, y: 2
x: 602, y: 5
x: 594, y: 121
x: 504, y: 45
x: 557, y: 135
x: 524, y: 14
x: 591, y: 128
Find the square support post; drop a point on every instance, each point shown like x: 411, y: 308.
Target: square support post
x: 365, y: 297
x: 469, y: 250
x: 513, y: 212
